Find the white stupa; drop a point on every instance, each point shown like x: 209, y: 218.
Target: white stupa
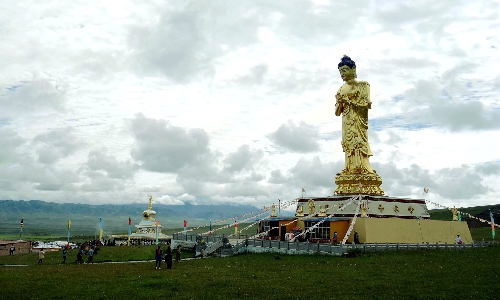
x: 148, y: 226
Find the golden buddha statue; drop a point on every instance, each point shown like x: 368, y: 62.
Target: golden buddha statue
x: 353, y: 102
x: 454, y: 211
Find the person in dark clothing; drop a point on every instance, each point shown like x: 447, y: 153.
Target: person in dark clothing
x: 335, y: 238
x: 356, y: 237
x: 158, y: 256
x: 168, y: 257
x: 91, y: 256
x: 79, y: 256
x: 64, y: 253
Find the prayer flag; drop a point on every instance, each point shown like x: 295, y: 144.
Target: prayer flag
x: 101, y: 225
x: 492, y: 225
x: 69, y: 226
x: 426, y: 190
x: 303, y: 191
x: 129, y: 231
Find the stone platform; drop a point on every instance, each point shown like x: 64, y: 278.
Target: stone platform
x: 378, y: 230
x: 381, y: 219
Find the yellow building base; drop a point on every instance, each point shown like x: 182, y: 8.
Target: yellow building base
x: 388, y: 230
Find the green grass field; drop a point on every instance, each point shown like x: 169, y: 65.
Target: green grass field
x: 471, y: 273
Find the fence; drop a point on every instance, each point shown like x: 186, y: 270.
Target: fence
x: 206, y: 237
x: 258, y: 245
x: 330, y: 249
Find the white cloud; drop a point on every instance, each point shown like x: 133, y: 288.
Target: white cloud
x: 35, y: 97
x: 56, y: 144
x: 301, y: 138
x: 243, y: 158
x: 161, y: 147
x: 101, y: 161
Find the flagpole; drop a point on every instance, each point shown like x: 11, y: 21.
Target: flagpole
x: 157, y: 223
x: 129, y: 231
x: 492, y: 224
x: 69, y: 226
x: 21, y: 233
x: 101, y: 225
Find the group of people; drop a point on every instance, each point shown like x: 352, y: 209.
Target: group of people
x: 79, y: 255
x: 168, y: 256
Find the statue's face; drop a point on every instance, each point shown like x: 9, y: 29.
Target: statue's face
x: 347, y: 73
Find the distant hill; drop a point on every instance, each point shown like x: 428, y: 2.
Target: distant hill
x: 12, y: 207
x: 482, y: 212
x: 52, y: 218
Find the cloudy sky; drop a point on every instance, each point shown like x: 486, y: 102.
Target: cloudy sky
x: 233, y: 101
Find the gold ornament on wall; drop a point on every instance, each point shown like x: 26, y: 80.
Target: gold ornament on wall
x: 381, y: 208
x: 410, y: 209
x: 396, y: 209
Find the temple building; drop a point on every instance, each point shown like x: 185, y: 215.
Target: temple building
x: 146, y: 230
x: 147, y: 227
x: 358, y: 204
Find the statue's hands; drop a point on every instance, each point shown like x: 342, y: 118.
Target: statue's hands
x: 339, y: 107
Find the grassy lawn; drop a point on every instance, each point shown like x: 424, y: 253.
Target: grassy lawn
x: 471, y: 273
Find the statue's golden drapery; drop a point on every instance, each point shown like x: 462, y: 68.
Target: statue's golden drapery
x: 353, y: 102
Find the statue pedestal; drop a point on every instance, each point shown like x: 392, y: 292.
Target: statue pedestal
x: 348, y: 184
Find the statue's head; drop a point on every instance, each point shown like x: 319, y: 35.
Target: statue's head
x: 347, y: 68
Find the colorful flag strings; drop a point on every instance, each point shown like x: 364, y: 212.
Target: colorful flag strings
x: 464, y: 213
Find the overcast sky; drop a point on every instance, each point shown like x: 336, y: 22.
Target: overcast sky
x: 233, y: 101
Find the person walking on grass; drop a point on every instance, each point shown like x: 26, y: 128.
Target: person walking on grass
x: 168, y: 257
x: 91, y: 256
x: 41, y: 256
x: 79, y: 257
x: 158, y: 255
x: 178, y: 254
x: 64, y: 253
